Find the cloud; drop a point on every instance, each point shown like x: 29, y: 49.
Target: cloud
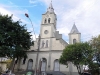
x: 18, y: 14
x: 15, y: 17
x: 4, y: 11
x: 85, y: 14
x: 33, y: 1
x: 34, y: 36
x: 17, y: 11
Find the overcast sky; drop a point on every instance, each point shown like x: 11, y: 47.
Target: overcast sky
x: 85, y: 14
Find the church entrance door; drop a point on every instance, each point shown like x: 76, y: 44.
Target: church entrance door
x: 30, y: 64
x: 43, y: 66
x: 56, y: 65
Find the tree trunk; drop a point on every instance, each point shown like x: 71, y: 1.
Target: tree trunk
x: 79, y: 69
x: 18, y: 66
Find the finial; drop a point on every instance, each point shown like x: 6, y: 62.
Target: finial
x: 50, y: 9
x: 74, y: 23
x: 51, y: 1
x: 51, y: 4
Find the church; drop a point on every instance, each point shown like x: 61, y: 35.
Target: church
x: 43, y: 57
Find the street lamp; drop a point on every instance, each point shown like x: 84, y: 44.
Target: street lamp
x: 31, y: 23
x: 37, y: 44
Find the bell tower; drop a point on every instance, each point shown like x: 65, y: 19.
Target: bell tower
x: 74, y: 35
x: 48, y: 26
x: 48, y: 23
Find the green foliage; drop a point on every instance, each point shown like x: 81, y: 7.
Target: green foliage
x: 94, y: 63
x: 77, y: 54
x: 14, y: 38
x: 95, y: 42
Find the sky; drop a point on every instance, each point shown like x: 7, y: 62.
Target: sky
x: 84, y: 13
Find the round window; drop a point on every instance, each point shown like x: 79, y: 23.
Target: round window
x: 46, y: 31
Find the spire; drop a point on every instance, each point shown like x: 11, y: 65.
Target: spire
x: 74, y: 29
x: 50, y: 9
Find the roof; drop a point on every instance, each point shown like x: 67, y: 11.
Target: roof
x: 74, y: 30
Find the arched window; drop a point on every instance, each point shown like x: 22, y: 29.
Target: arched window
x: 46, y: 43
x: 49, y: 20
x: 56, y: 65
x: 45, y: 21
x: 30, y: 64
x: 43, y: 64
x: 74, y: 41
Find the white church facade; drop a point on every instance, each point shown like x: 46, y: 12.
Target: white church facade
x: 44, y: 56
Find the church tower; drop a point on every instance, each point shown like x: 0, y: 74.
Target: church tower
x: 48, y: 28
x: 74, y: 35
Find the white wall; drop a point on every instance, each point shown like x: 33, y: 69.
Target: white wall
x: 74, y: 36
x: 57, y: 45
x: 31, y: 55
x: 54, y: 56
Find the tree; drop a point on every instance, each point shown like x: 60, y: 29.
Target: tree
x: 15, y: 40
x: 77, y: 54
x: 95, y: 60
